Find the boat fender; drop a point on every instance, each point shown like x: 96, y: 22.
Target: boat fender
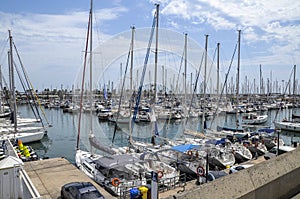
x: 160, y: 174
x: 190, y: 153
x: 115, y: 182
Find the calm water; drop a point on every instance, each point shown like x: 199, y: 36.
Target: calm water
x: 61, y: 138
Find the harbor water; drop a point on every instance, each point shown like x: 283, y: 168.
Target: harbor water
x: 61, y: 138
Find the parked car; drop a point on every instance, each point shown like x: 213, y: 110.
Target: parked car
x: 80, y: 190
x: 237, y: 168
x: 273, y: 152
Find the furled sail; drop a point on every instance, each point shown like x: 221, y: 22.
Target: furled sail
x: 95, y: 143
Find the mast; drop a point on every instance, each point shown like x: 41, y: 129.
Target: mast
x: 205, y: 65
x: 294, y: 90
x: 185, y: 65
x: 218, y: 67
x: 204, y: 84
x: 1, y: 76
x: 121, y: 77
x: 131, y: 82
x: 238, y: 78
x: 91, y: 72
x: 260, y: 81
x: 83, y: 78
x: 156, y: 51
x: 238, y: 64
x: 12, y: 78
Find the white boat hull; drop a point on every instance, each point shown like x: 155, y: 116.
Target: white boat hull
x: 257, y: 120
x: 288, y: 126
x: 25, y: 137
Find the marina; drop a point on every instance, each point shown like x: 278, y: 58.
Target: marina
x: 125, y: 142
x: 60, y: 140
x: 58, y: 145
x: 155, y: 134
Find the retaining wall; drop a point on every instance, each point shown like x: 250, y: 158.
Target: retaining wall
x: 275, y: 178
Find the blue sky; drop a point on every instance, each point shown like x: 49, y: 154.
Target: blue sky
x: 50, y: 35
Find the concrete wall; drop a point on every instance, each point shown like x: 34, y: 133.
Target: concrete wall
x: 274, y: 178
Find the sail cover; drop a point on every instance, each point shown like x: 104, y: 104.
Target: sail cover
x: 95, y: 143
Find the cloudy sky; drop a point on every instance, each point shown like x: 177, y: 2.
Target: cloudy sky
x: 50, y: 35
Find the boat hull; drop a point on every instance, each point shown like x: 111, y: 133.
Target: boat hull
x: 26, y: 137
x: 288, y: 126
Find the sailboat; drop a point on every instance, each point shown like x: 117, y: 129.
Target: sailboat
x: 253, y: 118
x: 116, y: 173
x: 13, y: 130
x: 294, y: 124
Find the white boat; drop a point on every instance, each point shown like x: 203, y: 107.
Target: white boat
x: 241, y: 153
x: 27, y: 137
x: 117, y: 173
x: 104, y: 114
x: 143, y: 116
x: 166, y: 173
x: 27, y: 129
x: 220, y: 157
x: 150, y: 161
x: 4, y: 111
x: 294, y: 124
x: 122, y: 117
x: 257, y: 149
x: 12, y: 130
x: 288, y: 126
x: 275, y: 151
x: 73, y: 108
x: 252, y: 118
x: 164, y: 114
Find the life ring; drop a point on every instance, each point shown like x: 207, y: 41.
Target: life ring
x: 190, y: 153
x: 115, y: 182
x: 160, y: 174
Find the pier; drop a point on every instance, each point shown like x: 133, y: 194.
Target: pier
x: 50, y: 175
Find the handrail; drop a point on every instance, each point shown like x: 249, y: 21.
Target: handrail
x: 29, y: 185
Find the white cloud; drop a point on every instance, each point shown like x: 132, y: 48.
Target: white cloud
x: 52, y: 45
x: 270, y: 27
